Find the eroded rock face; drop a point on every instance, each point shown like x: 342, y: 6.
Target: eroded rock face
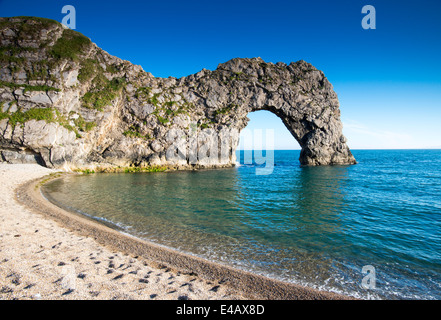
x: 68, y: 103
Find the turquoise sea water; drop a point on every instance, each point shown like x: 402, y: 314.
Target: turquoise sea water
x: 315, y: 226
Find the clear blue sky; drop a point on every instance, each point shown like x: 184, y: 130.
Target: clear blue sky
x: 388, y: 80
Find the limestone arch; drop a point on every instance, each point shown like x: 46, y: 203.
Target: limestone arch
x: 299, y: 94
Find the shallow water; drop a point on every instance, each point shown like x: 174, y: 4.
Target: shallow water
x: 316, y: 226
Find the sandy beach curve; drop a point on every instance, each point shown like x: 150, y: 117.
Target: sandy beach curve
x: 49, y: 253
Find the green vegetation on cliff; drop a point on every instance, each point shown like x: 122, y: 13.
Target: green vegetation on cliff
x: 28, y: 27
x: 83, y: 125
x: 49, y: 115
x: 70, y: 45
x: 30, y: 37
x: 151, y: 168
x: 46, y: 114
x: 103, y: 92
x: 134, y: 132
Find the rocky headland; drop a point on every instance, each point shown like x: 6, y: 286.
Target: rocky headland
x: 66, y: 103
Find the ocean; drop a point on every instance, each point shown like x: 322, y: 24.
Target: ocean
x: 371, y: 230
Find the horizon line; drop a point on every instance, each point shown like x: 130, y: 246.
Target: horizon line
x: 429, y: 148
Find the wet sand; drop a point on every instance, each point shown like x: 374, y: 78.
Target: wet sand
x: 49, y: 253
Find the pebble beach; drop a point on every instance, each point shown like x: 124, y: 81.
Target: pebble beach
x: 40, y: 259
x: 47, y: 253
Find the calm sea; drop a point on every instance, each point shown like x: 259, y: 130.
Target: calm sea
x: 372, y: 230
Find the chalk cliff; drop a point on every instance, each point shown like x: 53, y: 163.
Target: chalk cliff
x: 64, y: 102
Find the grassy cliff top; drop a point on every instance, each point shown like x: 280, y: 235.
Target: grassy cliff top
x: 33, y: 33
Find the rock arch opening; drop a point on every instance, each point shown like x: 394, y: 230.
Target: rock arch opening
x: 263, y: 126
